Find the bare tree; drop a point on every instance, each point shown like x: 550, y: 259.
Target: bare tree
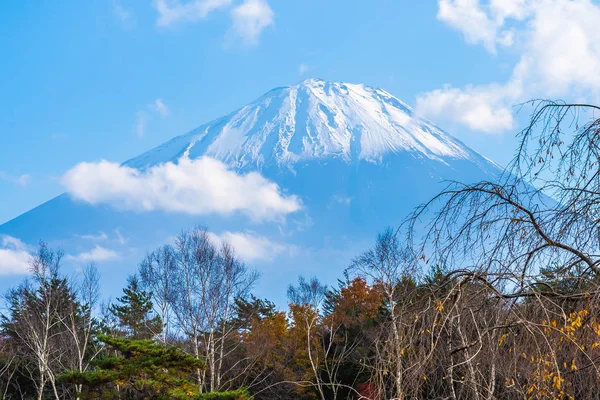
x: 156, y: 273
x: 305, y: 304
x: 387, y: 265
x: 38, y: 319
x: 81, y: 325
x: 207, y: 281
x: 527, y: 241
x: 8, y: 370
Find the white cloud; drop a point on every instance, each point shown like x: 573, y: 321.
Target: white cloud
x: 198, y: 187
x: 249, y: 20
x: 124, y: 16
x: 159, y: 108
x: 14, y: 256
x: 559, y: 46
x: 251, y: 247
x: 339, y: 200
x: 172, y: 12
x: 303, y: 69
x: 468, y: 17
x: 481, y: 108
x: 21, y: 180
x: 98, y: 253
x: 120, y: 238
x: 141, y: 118
x: 563, y: 49
x: 101, y: 236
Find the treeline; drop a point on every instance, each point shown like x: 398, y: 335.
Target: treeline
x: 489, y: 291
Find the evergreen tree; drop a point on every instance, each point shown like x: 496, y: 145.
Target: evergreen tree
x: 248, y: 311
x: 134, y: 312
x: 141, y: 369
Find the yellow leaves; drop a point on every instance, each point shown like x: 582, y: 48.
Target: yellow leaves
x: 573, y: 366
x: 557, y: 381
x: 502, y: 339
x: 574, y: 323
x: 424, y: 377
x: 546, y: 382
x: 596, y: 328
x: 439, y: 306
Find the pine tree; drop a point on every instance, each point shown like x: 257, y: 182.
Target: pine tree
x: 134, y: 313
x: 141, y: 369
x: 248, y: 311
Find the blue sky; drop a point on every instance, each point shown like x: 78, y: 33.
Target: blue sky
x: 91, y: 80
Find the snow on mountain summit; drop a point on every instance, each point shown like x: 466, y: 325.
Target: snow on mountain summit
x: 313, y: 120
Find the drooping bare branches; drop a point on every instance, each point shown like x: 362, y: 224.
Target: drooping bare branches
x: 542, y: 213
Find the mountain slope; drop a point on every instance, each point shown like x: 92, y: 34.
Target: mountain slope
x: 357, y: 157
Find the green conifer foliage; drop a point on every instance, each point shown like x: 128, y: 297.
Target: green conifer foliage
x: 134, y: 313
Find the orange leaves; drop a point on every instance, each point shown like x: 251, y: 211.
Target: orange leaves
x: 357, y: 303
x: 266, y: 337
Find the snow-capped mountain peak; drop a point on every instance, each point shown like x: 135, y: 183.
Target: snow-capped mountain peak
x: 313, y: 120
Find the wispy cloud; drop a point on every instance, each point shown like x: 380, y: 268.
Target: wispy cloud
x: 14, y: 256
x: 157, y: 107
x: 120, y: 238
x: 141, y: 118
x: 303, y: 69
x: 198, y: 187
x: 100, y: 236
x: 104, y: 237
x: 123, y: 15
x: 21, y: 180
x: 172, y: 12
x: 97, y: 254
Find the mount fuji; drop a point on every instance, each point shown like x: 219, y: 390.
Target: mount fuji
x: 355, y: 158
